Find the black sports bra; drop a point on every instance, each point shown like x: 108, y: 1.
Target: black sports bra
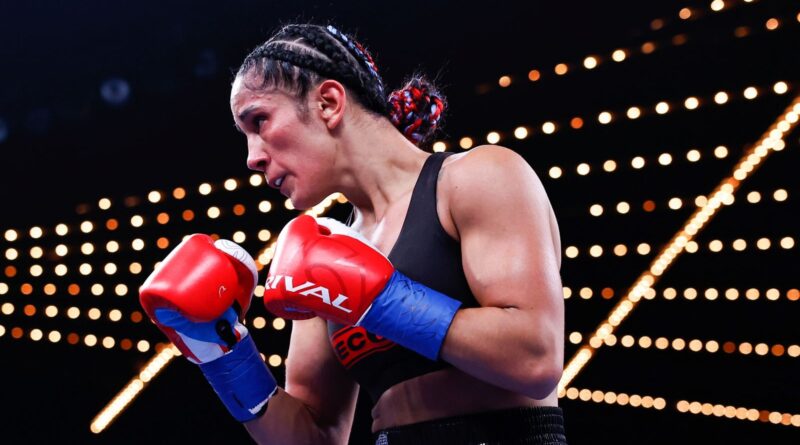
x: 425, y: 253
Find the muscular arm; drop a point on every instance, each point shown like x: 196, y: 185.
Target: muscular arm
x: 319, y: 402
x: 511, y: 259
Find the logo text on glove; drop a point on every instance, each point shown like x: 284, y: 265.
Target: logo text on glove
x: 308, y: 289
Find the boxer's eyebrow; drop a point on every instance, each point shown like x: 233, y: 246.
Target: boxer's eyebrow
x: 243, y: 115
x: 246, y: 112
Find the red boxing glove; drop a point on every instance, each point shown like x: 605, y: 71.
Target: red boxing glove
x: 200, y: 280
x: 315, y: 271
x: 325, y: 268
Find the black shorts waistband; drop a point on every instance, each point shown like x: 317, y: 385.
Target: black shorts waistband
x: 517, y: 426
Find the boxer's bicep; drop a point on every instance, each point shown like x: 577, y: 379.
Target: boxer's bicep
x: 508, y: 236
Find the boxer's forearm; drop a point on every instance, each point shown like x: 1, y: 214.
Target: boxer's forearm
x: 511, y: 348
x: 288, y: 421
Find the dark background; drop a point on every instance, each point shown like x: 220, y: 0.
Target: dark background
x: 64, y: 145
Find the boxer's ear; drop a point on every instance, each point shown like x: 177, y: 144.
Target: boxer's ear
x: 331, y: 98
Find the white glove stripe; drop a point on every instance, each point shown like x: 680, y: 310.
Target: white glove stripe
x: 240, y: 254
x: 203, y: 350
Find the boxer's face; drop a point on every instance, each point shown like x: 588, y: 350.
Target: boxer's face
x: 288, y: 143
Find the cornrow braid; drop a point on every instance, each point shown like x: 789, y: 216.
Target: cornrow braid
x: 360, y: 52
x: 299, y: 56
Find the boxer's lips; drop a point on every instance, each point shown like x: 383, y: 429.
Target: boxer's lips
x: 276, y: 181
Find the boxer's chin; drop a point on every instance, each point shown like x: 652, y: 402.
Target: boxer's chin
x: 300, y: 200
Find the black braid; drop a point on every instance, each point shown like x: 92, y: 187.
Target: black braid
x: 370, y: 86
x: 367, y: 87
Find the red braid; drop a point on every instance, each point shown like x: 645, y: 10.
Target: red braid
x: 415, y: 110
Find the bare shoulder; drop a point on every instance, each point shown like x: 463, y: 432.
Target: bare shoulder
x: 485, y: 167
x: 488, y: 175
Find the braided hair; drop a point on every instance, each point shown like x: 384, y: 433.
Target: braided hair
x: 300, y: 56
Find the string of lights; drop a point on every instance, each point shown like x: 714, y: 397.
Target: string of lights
x: 676, y: 203
x: 610, y: 397
x: 113, y: 224
x: 72, y: 312
x: 694, y: 345
x: 753, y: 158
x: 740, y: 413
x: 698, y: 12
x: 132, y: 389
x: 622, y: 54
x: 177, y: 193
x: 91, y: 340
x: 114, y: 315
x: 139, y: 221
x: 637, y: 162
x: 714, y: 246
x: 683, y: 406
x: 73, y: 338
x: 690, y: 294
x: 110, y: 268
x: 606, y: 117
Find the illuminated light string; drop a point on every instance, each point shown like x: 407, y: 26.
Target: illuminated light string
x: 73, y: 289
x: 689, y: 294
x: 714, y: 246
x: 71, y: 312
x: 693, y: 345
x: 116, y: 315
x: 113, y: 247
x: 86, y: 269
x: 683, y: 406
x: 73, y: 338
x: 740, y: 413
x: 178, y: 193
x: 132, y: 389
x: 637, y: 162
x: 676, y: 203
x: 50, y: 289
x: 770, y: 141
x: 139, y: 221
x: 604, y: 118
x: 696, y: 12
x: 610, y: 397
x: 136, y: 222
x: 622, y: 54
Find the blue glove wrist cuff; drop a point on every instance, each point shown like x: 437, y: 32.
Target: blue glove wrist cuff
x: 241, y: 380
x: 411, y: 315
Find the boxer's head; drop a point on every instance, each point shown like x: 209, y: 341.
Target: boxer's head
x: 299, y: 57
x: 308, y: 97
